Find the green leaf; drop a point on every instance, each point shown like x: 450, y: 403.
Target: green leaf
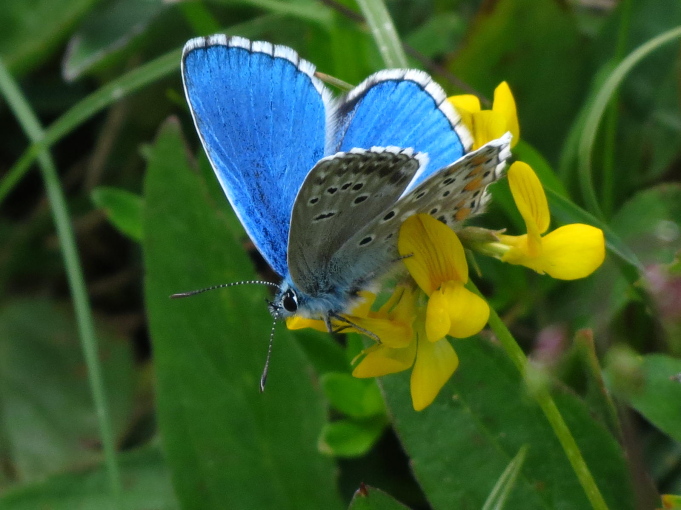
x: 147, y: 486
x: 497, y: 498
x: 370, y: 498
x: 351, y: 437
x: 358, y: 398
x: 228, y: 445
x: 650, y: 384
x: 32, y: 31
x: 461, y: 443
x: 650, y: 223
x: 122, y: 208
x: 49, y: 421
x: 106, y: 30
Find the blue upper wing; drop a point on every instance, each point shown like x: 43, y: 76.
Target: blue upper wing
x: 261, y: 116
x: 403, y: 108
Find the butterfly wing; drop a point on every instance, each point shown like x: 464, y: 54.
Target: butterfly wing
x: 341, y: 194
x: 261, y: 116
x: 403, y: 108
x: 450, y: 195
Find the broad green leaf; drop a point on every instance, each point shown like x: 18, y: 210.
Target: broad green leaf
x: 122, y: 208
x: 227, y: 444
x: 351, y: 437
x: 370, y: 498
x: 32, y: 31
x: 107, y: 29
x: 650, y: 384
x: 49, y: 420
x: 461, y: 444
x: 358, y: 398
x: 146, y: 478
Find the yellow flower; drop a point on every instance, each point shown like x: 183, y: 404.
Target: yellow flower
x: 569, y: 252
x: 488, y: 125
x: 392, y: 323
x: 436, y: 260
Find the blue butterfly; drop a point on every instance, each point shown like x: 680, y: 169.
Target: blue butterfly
x: 322, y: 185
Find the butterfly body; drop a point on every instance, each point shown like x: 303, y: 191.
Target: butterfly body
x: 322, y: 185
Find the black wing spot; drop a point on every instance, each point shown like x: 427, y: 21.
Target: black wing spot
x: 420, y: 195
x: 434, y: 210
x: 366, y: 240
x: 476, y: 193
x: 331, y: 190
x: 448, y: 181
x: 346, y: 185
x: 358, y: 186
x: 446, y: 193
x: 313, y: 200
x: 486, y: 173
x: 324, y: 216
x: 390, y: 235
x: 389, y: 216
x: 442, y: 219
x: 360, y: 199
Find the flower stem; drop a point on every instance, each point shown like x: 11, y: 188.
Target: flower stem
x: 548, y: 406
x: 35, y: 132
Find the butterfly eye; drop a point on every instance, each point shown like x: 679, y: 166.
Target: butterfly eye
x: 290, y: 301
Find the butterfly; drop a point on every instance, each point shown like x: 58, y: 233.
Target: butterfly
x: 322, y: 185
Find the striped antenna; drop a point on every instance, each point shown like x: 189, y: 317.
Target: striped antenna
x: 245, y: 282
x: 263, y: 377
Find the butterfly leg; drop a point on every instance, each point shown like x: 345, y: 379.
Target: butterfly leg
x: 351, y: 324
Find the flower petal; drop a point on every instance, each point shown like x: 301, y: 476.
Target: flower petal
x: 392, y: 333
x: 466, y: 105
x: 437, y: 316
x: 433, y: 252
x: 487, y: 125
x: 504, y: 104
x: 435, y: 364
x: 298, y: 322
x: 382, y: 360
x: 466, y: 102
x: 530, y: 199
x: 573, y: 251
x: 468, y: 312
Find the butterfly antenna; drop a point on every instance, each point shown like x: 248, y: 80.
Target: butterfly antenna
x: 263, y: 377
x: 222, y: 286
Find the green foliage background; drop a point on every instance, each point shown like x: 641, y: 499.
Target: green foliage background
x: 113, y: 396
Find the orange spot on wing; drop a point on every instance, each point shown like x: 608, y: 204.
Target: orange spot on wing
x: 474, y: 184
x: 462, y: 214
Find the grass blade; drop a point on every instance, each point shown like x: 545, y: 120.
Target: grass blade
x: 384, y: 33
x: 600, y: 104
x: 74, y: 273
x: 501, y: 490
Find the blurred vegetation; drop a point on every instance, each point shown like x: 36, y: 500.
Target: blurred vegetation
x: 99, y: 152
